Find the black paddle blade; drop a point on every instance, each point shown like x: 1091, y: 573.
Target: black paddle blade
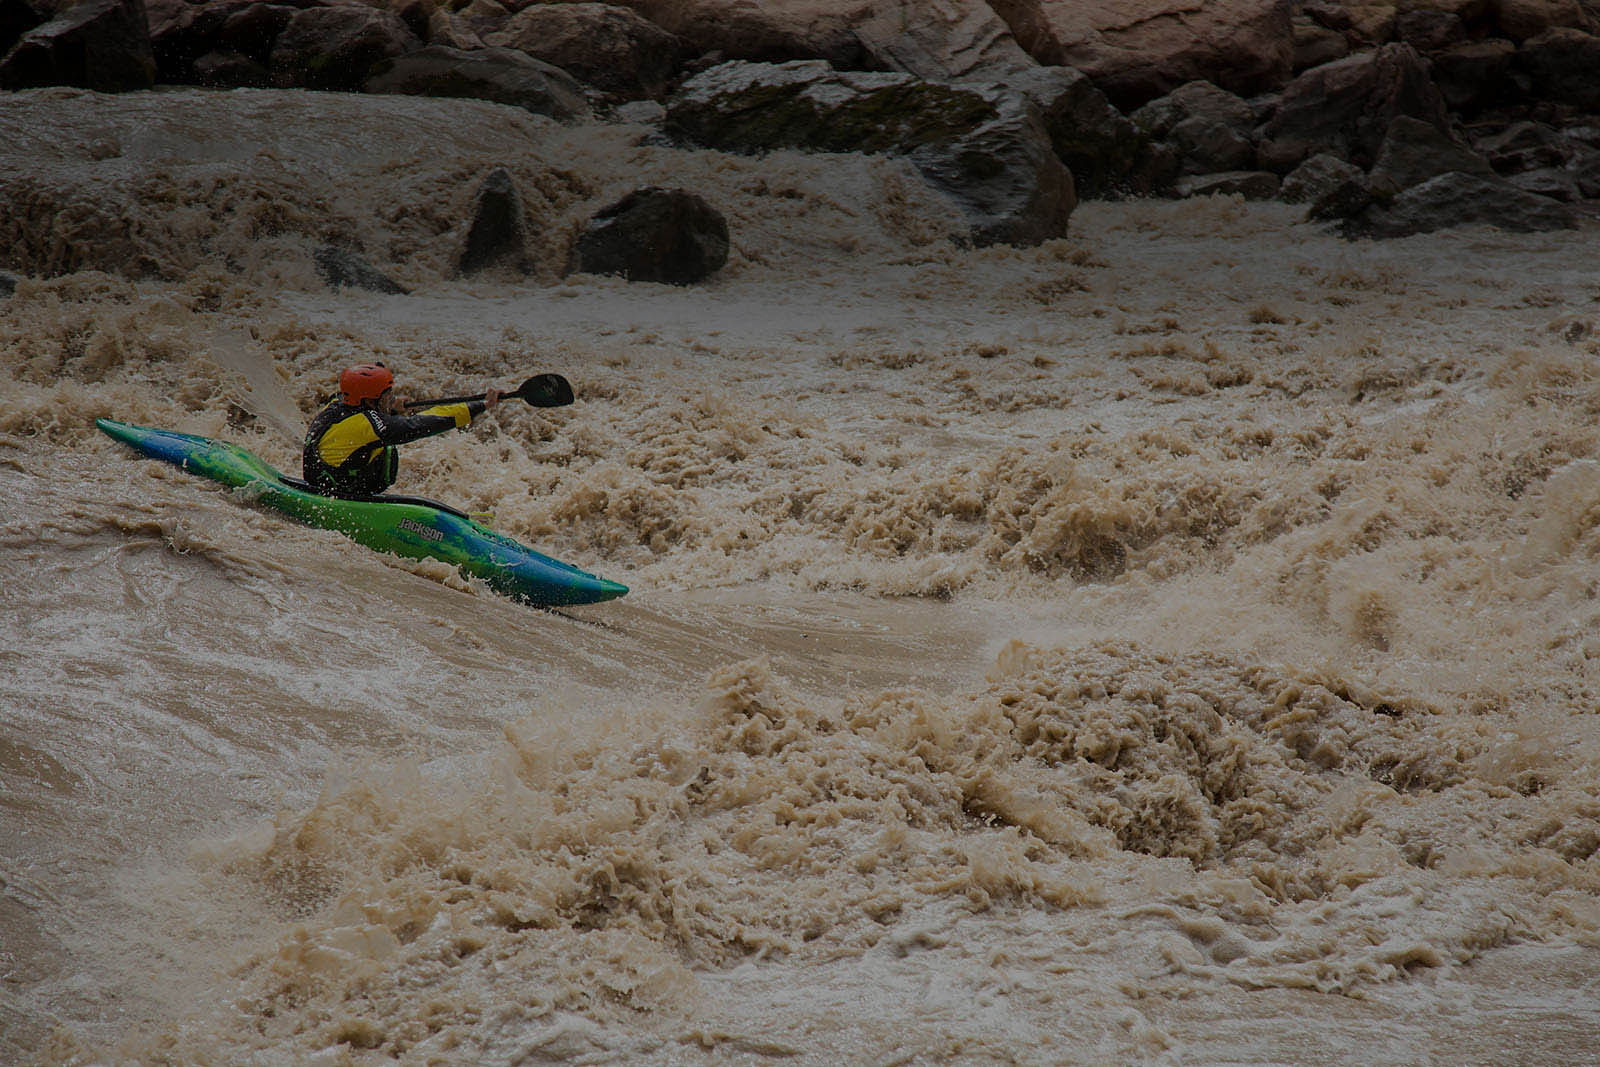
x: 545, y: 391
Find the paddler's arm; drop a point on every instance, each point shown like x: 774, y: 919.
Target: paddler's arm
x: 398, y: 429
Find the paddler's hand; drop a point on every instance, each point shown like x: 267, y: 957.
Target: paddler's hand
x: 401, y: 404
x: 491, y: 397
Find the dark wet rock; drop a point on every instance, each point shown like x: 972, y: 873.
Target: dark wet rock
x: 251, y: 30
x: 983, y: 147
x: 1250, y: 184
x: 102, y: 45
x: 1195, y: 100
x: 180, y: 32
x: 964, y: 39
x: 1563, y: 65
x: 1586, y: 174
x: 337, y: 47
x: 1348, y: 196
x: 1429, y: 30
x: 608, y: 47
x: 1317, y: 177
x: 1476, y: 76
x: 1525, y: 145
x: 1364, y: 25
x: 452, y: 31
x: 1208, y: 128
x: 1137, y: 50
x: 497, y: 235
x: 17, y: 17
x: 8, y: 284
x: 655, y: 235
x: 342, y: 267
x: 417, y: 15
x: 1460, y: 200
x: 1522, y: 19
x: 500, y: 75
x: 230, y: 70
x: 1557, y: 183
x: 1107, y: 154
x: 1415, y: 151
x: 483, y: 16
x: 1344, y: 108
x: 1315, y: 44
x: 768, y: 32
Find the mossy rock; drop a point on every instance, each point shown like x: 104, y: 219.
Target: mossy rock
x: 873, y: 114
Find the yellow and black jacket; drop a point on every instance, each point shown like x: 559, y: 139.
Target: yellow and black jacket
x: 350, y: 451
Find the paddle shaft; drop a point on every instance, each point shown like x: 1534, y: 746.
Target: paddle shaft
x: 541, y: 391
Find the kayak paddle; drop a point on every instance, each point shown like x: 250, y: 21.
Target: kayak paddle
x: 540, y: 391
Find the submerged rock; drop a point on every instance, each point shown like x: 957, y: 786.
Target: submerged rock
x: 655, y: 235
x: 984, y: 147
x: 102, y: 45
x: 8, y: 285
x: 497, y: 235
x: 1250, y: 184
x: 340, y: 267
x: 1457, y: 200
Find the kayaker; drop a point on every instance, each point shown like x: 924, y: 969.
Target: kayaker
x: 351, y: 445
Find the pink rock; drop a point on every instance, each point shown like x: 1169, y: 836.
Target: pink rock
x: 1137, y: 50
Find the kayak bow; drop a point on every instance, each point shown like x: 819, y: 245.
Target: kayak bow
x: 405, y: 526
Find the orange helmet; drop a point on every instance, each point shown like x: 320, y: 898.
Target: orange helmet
x: 363, y: 382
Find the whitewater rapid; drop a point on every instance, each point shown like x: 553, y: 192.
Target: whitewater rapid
x: 1172, y: 644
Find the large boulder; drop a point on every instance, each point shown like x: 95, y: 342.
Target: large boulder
x: 226, y: 31
x: 1209, y: 129
x: 452, y: 31
x: 1316, y: 44
x: 1429, y: 30
x: 1316, y: 178
x: 1524, y: 146
x: 1522, y: 19
x: 655, y: 235
x: 943, y: 42
x: 501, y: 75
x: 769, y: 31
x: 337, y: 47
x: 1415, y: 151
x: 102, y: 45
x: 1563, y: 65
x: 611, y: 48
x: 1457, y: 199
x: 17, y: 17
x: 983, y: 147
x: 1476, y: 76
x: 1137, y: 50
x: 1107, y: 154
x: 1345, y: 107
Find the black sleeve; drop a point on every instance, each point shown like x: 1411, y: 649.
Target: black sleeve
x: 398, y: 429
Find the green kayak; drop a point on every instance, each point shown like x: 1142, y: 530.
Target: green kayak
x: 406, y: 526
